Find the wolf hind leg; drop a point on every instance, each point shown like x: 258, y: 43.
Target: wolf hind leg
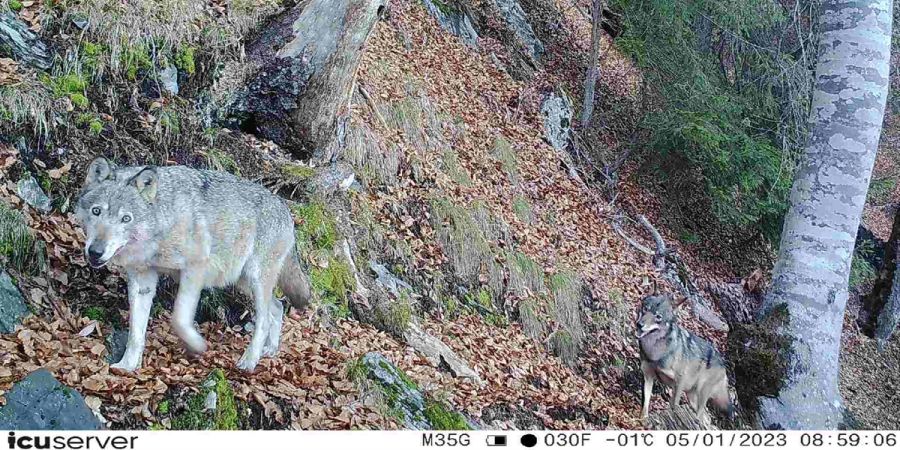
x: 262, y: 298
x: 276, y: 322
x: 190, y: 285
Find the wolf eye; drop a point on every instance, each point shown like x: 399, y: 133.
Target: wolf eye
x: 126, y: 218
x: 95, y: 210
x: 658, y: 317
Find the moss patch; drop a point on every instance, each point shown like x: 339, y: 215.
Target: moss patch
x: 185, y: 60
x: 316, y: 229
x: 97, y: 313
x: 394, y: 316
x: 443, y: 418
x: 196, y: 417
x: 760, y: 353
x: 333, y: 284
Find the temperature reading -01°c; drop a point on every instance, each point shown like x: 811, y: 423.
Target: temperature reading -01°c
x: 632, y: 440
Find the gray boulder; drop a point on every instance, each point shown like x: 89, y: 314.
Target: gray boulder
x: 402, y: 393
x: 39, y: 402
x: 168, y: 80
x: 115, y: 345
x: 557, y: 112
x: 29, y: 190
x: 452, y: 20
x: 25, y: 46
x: 12, y: 305
x: 517, y: 22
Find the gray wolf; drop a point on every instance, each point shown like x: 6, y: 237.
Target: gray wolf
x: 203, y: 228
x: 680, y: 360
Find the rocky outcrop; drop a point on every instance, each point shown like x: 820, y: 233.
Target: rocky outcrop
x: 29, y: 190
x: 39, y: 402
x: 404, y: 398
x: 304, y: 61
x: 25, y: 46
x: 453, y: 20
x: 12, y: 305
x: 517, y: 23
x: 557, y: 113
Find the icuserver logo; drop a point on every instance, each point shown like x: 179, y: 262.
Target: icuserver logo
x: 25, y: 441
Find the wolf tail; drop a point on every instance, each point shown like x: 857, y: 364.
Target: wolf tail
x: 293, y: 281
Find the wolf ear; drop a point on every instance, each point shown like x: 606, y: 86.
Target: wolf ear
x: 99, y: 170
x: 146, y: 182
x: 676, y: 304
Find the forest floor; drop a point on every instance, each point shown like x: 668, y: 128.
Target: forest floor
x: 434, y: 94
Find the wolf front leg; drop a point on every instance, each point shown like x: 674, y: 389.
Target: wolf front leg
x: 649, y: 378
x: 190, y: 284
x: 141, y: 290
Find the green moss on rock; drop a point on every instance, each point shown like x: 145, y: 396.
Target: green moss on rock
x: 444, y: 418
x: 316, y: 229
x: 197, y: 417
x: 333, y: 284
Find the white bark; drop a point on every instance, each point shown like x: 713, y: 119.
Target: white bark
x: 827, y: 198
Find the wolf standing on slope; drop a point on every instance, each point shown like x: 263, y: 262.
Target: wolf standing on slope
x: 203, y: 228
x: 679, y: 359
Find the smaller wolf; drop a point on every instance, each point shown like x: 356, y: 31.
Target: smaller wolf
x: 203, y: 228
x: 679, y: 359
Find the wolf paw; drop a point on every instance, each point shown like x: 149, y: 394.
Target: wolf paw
x: 270, y: 350
x: 247, y: 363
x: 126, y: 366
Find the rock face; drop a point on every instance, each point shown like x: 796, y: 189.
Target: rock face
x: 453, y: 20
x: 12, y: 305
x: 30, y: 191
x: 115, y: 345
x: 557, y: 112
x: 39, y: 402
x: 304, y: 62
x: 517, y: 22
x: 402, y: 394
x: 25, y: 45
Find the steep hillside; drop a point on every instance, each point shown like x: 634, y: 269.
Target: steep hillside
x: 506, y: 247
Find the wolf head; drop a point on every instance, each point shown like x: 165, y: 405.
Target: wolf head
x: 114, y: 208
x: 656, y: 316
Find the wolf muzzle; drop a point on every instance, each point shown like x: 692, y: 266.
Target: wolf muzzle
x: 94, y: 257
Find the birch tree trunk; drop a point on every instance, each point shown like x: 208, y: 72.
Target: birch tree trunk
x: 590, y: 77
x: 812, y: 273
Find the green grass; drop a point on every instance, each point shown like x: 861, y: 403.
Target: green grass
x: 861, y: 271
x: 523, y: 209
x: 222, y: 162
x: 508, y: 161
x: 18, y: 245
x: 333, y: 285
x: 395, y: 316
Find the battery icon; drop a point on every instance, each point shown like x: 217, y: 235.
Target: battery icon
x: 496, y: 441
